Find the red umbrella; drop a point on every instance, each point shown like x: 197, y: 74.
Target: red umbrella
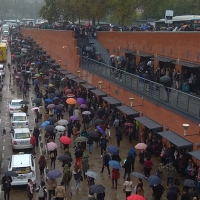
x: 65, y: 140
x: 135, y: 197
x: 128, y: 124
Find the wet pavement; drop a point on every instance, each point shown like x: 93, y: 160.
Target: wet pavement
x: 95, y: 160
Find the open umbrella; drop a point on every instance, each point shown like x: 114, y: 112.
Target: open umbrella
x: 100, y: 130
x: 189, y: 183
x: 60, y: 106
x: 49, y: 128
x: 36, y: 82
x: 45, y: 85
x: 51, y: 85
x: 96, y: 189
x: 34, y: 108
x: 141, y: 146
x: 51, y: 119
x: 135, y: 197
x: 113, y: 150
x: 70, y: 95
x: 98, y: 121
x: 55, y: 98
x: 138, y: 175
x: 81, y: 139
x: 153, y: 180
x: 23, y: 102
x: 45, y: 123
x: 52, y: 95
x: 165, y: 79
x: 37, y: 75
x: 68, y: 90
x: 83, y: 106
x: 62, y: 122
x: 86, y: 112
x: 50, y: 106
x: 37, y: 100
x: 60, y: 128
x: 48, y: 100
x: 74, y: 118
x: 65, y: 157
x: 54, y: 174
x: 81, y: 101
x: 114, y: 164
x: 51, y: 146
x: 71, y: 101
x: 10, y: 173
x: 65, y: 140
x: 93, y: 134
x: 91, y: 174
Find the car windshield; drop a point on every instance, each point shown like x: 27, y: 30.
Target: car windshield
x: 14, y: 103
x: 22, y: 135
x: 22, y: 170
x: 19, y: 118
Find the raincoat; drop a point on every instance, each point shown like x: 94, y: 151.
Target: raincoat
x: 85, y: 163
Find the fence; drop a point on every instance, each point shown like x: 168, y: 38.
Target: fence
x: 178, y: 101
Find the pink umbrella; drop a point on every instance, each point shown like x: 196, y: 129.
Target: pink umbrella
x: 141, y: 146
x: 70, y: 95
x: 51, y: 146
x: 34, y: 108
x: 135, y: 197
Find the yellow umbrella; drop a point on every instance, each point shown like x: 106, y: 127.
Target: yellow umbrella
x: 51, y: 85
x: 71, y: 101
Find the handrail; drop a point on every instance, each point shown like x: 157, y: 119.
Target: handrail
x: 177, y: 101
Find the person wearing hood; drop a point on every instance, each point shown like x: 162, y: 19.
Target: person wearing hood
x: 85, y: 164
x: 60, y: 192
x: 132, y: 155
x: 67, y: 176
x: 77, y: 177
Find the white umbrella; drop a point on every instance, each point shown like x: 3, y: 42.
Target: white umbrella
x: 86, y: 112
x: 51, y: 146
x: 60, y: 128
x: 63, y: 122
x: 91, y: 174
x: 112, y: 56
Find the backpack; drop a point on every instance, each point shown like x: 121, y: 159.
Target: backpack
x: 41, y: 192
x: 52, y: 155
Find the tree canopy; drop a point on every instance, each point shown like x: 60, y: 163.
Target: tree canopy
x: 118, y: 11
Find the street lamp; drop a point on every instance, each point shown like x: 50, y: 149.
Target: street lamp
x: 185, y: 128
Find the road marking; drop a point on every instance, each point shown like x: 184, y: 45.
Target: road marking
x: 3, y: 148
x: 1, y: 165
x: 2, y: 155
x: 4, y: 140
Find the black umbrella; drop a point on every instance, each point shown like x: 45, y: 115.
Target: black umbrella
x: 37, y: 100
x: 96, y: 189
x: 11, y: 173
x: 65, y: 157
x: 51, y: 119
x: 49, y: 128
x: 23, y: 102
x: 93, y: 134
x: 98, y: 121
x: 189, y: 183
x: 165, y: 79
x: 59, y: 106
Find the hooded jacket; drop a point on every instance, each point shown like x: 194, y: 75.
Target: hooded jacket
x: 67, y: 173
x: 85, y: 163
x: 60, y: 192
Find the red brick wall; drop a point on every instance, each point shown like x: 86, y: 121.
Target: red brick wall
x: 57, y: 39
x: 169, y: 44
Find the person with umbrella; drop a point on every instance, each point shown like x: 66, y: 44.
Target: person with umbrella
x: 36, y: 132
x: 115, y: 177
x: 158, y: 191
x: 53, y: 155
x: 77, y: 173
x: 78, y: 154
x: 67, y: 159
x: 106, y: 159
x: 103, y: 143
x: 6, y: 186
x: 51, y: 186
x: 67, y: 176
x: 33, y: 143
x: 139, y: 185
x: 132, y: 155
x: 127, y: 167
x: 85, y: 164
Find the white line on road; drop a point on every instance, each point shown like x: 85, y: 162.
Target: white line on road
x: 2, y: 156
x: 1, y: 165
x: 4, y: 140
x: 3, y: 148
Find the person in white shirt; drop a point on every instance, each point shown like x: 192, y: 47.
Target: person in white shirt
x: 128, y: 187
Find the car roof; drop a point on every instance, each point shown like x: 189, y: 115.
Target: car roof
x: 21, y: 160
x: 16, y: 100
x: 19, y: 114
x: 21, y: 130
x: 1, y: 65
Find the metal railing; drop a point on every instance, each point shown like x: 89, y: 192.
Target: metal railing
x: 99, y: 48
x: 175, y: 100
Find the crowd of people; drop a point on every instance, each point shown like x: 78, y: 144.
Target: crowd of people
x: 68, y: 112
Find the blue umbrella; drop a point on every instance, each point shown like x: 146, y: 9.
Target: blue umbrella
x: 54, y: 174
x: 36, y: 82
x: 100, y: 130
x: 113, y: 150
x: 38, y: 63
x: 45, y: 123
x: 48, y: 100
x: 153, y: 180
x: 46, y: 86
x: 55, y: 98
x: 114, y: 164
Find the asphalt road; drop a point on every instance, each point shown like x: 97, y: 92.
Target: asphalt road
x: 95, y: 161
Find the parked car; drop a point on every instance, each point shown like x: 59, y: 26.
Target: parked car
x: 2, y: 69
x: 19, y: 120
x: 14, y: 106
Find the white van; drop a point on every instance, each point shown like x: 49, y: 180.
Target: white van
x: 24, y: 166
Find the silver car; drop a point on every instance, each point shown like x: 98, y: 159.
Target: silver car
x: 14, y: 106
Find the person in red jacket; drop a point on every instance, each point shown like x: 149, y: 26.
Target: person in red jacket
x: 115, y: 177
x: 33, y: 142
